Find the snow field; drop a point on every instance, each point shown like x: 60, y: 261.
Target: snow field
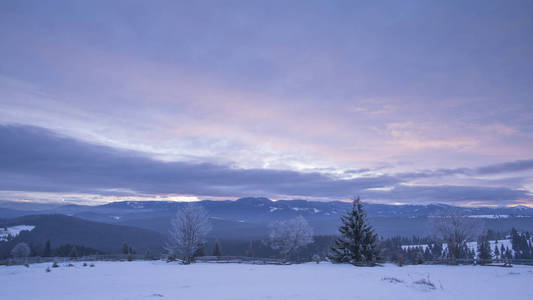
x: 13, y: 231
x: 148, y: 280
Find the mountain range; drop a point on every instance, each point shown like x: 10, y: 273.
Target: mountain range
x: 247, y: 218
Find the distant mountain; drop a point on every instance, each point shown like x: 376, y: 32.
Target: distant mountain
x: 249, y: 217
x: 61, y: 229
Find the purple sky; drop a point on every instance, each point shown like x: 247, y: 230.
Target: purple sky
x: 399, y: 102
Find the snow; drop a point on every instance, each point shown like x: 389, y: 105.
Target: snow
x: 152, y: 280
x: 14, y: 231
x: 273, y: 209
x: 423, y: 246
x: 489, y: 216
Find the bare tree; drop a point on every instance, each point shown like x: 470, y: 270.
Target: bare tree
x: 456, y: 230
x: 187, y: 232
x: 288, y: 236
x: 21, y: 250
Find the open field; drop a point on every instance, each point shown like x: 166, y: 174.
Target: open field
x: 146, y: 280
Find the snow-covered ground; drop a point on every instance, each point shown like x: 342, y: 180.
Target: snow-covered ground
x: 149, y: 280
x: 13, y: 231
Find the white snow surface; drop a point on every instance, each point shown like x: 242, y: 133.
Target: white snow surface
x: 14, y: 231
x: 490, y: 216
x: 154, y: 280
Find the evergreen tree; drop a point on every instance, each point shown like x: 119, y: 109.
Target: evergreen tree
x: 515, y: 239
x: 496, y: 251
x: 148, y: 255
x: 217, y: 251
x: 47, y: 250
x: 357, y: 243
x: 436, y: 251
x: 484, y: 252
x: 508, y: 253
x: 125, y: 248
x: 73, y: 252
x: 250, y: 250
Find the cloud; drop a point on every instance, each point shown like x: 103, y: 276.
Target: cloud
x: 458, y: 195
x: 36, y: 159
x: 515, y: 166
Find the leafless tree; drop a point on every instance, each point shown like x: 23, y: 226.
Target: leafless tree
x: 21, y: 250
x: 187, y: 232
x: 287, y: 236
x: 456, y: 230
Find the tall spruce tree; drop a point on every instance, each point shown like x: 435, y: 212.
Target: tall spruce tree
x: 357, y: 243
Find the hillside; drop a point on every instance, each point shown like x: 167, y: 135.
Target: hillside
x: 61, y: 229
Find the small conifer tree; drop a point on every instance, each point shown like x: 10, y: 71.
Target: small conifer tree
x: 47, y: 249
x: 496, y: 251
x: 73, y: 252
x: 217, y: 251
x: 484, y: 252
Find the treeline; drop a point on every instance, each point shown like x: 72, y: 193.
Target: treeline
x: 522, y: 244
x: 23, y: 249
x: 417, y: 250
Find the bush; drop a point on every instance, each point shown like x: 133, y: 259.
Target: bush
x: 55, y: 265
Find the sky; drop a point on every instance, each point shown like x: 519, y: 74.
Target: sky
x: 400, y: 102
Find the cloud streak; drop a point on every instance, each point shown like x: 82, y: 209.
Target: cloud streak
x: 38, y: 160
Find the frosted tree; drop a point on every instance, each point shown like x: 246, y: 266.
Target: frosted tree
x: 290, y: 235
x: 187, y: 232
x: 455, y: 230
x: 21, y: 250
x: 358, y: 242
